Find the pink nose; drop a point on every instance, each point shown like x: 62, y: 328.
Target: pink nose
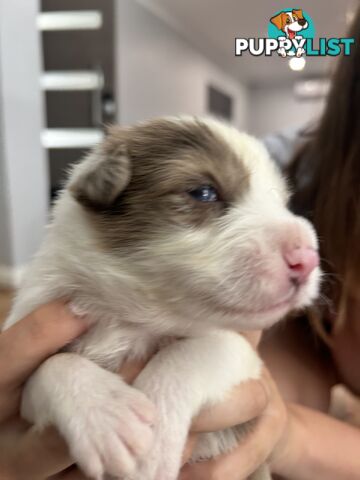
x: 301, y: 262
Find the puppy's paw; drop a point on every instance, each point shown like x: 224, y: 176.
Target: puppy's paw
x: 113, y: 431
x: 163, y: 462
x: 107, y: 424
x: 158, y: 465
x: 282, y: 52
x: 300, y: 52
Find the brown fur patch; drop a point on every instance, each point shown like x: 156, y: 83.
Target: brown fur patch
x: 298, y: 13
x: 167, y: 160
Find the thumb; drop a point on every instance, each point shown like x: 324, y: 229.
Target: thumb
x: 42, y: 453
x: 29, y: 342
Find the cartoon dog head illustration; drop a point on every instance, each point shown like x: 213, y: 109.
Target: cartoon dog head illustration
x: 291, y: 23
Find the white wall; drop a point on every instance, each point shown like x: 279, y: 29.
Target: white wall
x: 275, y: 108
x: 160, y: 73
x: 23, y: 173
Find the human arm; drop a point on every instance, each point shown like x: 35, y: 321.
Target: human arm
x: 316, y: 445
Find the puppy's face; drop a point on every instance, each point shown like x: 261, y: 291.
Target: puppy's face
x: 196, y: 211
x: 290, y: 22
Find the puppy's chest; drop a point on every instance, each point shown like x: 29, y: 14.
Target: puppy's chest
x: 109, y: 343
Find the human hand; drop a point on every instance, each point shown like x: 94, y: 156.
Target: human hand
x: 253, y: 399
x: 23, y: 347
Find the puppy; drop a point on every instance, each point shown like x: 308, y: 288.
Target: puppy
x: 171, y: 228
x: 291, y: 23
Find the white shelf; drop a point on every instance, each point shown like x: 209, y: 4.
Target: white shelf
x: 72, y: 80
x: 70, y: 20
x: 71, y: 137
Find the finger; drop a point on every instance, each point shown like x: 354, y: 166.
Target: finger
x: 245, y: 402
x: 240, y: 462
x: 253, y: 451
x: 131, y: 369
x: 189, y: 447
x: 29, y: 342
x: 42, y: 454
x: 253, y: 337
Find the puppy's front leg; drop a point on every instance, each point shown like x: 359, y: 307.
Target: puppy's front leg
x: 182, y: 378
x: 106, y: 423
x: 263, y: 473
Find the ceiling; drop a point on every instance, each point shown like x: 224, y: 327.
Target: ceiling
x: 212, y: 25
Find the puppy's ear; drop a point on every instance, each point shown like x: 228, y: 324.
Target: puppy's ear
x: 298, y: 13
x: 277, y: 21
x: 98, y: 180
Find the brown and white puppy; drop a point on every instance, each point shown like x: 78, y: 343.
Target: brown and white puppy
x: 291, y: 23
x: 171, y: 228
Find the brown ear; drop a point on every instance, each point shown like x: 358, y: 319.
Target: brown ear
x: 277, y: 21
x: 99, y: 179
x: 298, y: 13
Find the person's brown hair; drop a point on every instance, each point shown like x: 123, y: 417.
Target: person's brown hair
x: 330, y: 160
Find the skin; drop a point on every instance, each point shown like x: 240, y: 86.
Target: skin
x: 251, y: 453
x: 313, y: 440
x: 44, y: 454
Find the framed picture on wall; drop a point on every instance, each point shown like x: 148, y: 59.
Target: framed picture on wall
x: 219, y: 103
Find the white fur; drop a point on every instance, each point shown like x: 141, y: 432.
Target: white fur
x: 133, y: 307
x: 107, y: 423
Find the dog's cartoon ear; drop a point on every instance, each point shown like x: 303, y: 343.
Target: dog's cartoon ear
x: 298, y: 13
x: 277, y: 21
x: 98, y: 180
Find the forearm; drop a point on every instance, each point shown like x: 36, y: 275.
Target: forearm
x: 318, y: 446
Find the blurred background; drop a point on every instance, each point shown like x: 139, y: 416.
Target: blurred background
x: 67, y: 67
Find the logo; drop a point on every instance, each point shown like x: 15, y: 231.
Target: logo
x: 291, y: 28
x: 292, y: 34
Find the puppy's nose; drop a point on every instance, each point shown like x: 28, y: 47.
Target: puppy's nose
x: 301, y: 262
x: 301, y: 21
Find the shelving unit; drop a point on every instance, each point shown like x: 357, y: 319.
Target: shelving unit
x: 71, y: 137
x: 62, y: 80
x: 72, y: 80
x: 77, y: 79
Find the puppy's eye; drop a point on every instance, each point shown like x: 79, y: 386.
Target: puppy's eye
x: 288, y: 20
x: 205, y: 193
